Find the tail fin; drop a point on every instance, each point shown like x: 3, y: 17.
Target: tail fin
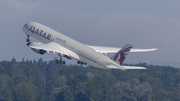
x: 120, y: 56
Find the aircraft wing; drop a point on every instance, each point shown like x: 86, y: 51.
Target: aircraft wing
x: 124, y: 67
x: 114, y: 49
x: 54, y: 47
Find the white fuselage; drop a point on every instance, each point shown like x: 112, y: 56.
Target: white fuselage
x: 85, y: 53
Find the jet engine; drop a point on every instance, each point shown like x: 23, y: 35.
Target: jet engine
x: 38, y: 51
x: 63, y: 55
x: 66, y: 56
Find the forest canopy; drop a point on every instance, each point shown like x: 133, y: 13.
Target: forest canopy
x: 47, y: 81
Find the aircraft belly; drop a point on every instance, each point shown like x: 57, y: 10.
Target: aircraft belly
x: 40, y: 38
x: 92, y: 62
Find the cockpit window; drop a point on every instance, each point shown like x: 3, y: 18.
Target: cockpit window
x: 25, y: 25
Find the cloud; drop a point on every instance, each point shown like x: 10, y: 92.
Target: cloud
x: 93, y: 26
x: 16, y: 8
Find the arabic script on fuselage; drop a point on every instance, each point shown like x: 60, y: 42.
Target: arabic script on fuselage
x: 61, y: 40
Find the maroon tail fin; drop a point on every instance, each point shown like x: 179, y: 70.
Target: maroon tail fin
x: 120, y: 56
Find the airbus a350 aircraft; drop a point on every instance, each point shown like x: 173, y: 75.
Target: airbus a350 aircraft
x: 66, y: 47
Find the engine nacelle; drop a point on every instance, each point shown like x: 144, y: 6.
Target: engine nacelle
x: 38, y: 51
x: 67, y: 57
x: 63, y: 55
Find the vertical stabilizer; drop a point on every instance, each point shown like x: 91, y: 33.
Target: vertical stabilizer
x: 120, y: 56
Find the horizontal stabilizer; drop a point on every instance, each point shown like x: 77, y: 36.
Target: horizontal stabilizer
x: 124, y: 67
x: 115, y: 67
x: 134, y: 67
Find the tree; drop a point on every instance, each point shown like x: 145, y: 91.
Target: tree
x: 40, y: 61
x: 97, y: 89
x: 13, y: 60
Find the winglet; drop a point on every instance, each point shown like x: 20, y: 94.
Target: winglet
x: 158, y: 47
x: 120, y: 56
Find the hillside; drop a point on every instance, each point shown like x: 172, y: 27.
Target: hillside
x: 42, y: 81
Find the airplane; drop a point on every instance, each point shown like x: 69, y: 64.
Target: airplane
x: 69, y: 48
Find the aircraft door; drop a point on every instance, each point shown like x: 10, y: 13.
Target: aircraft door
x: 98, y: 59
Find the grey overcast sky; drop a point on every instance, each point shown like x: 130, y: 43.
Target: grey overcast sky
x: 143, y: 23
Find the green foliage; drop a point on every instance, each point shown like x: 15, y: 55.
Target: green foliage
x: 47, y: 81
x: 97, y: 89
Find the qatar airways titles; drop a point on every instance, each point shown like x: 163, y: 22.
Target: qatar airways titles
x: 40, y: 32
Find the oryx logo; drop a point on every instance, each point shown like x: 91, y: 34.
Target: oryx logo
x: 121, y: 55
